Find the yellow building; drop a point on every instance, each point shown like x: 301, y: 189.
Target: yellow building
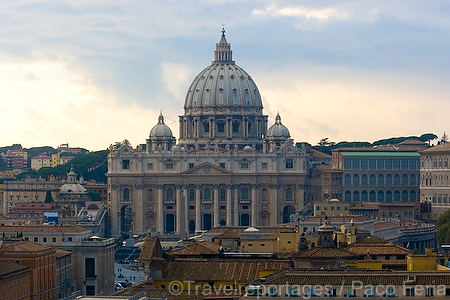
x: 430, y: 261
x: 255, y: 240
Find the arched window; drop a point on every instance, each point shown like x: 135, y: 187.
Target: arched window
x: 396, y: 179
x: 412, y: 196
x: 356, y: 179
x: 355, y: 196
x: 405, y: 179
x: 396, y: 196
x: 364, y: 179
x: 347, y: 179
x: 222, y: 194
x: 388, y: 196
x: 169, y: 194
x: 380, y: 196
x: 372, y: 179
x: 348, y: 196
x: 364, y: 196
x: 245, y: 193
x: 412, y: 179
x: 388, y: 179
x: 404, y: 196
x: 264, y: 194
x: 150, y: 194
x: 289, y: 194
x: 372, y: 196
x: 191, y: 194
x: 207, y: 194
x: 380, y: 179
x: 126, y: 194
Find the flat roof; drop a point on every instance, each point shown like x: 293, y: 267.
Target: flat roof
x: 382, y: 154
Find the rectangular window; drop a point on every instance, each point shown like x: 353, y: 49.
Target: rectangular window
x: 364, y: 163
x: 206, y: 127
x: 191, y: 165
x: 338, y: 208
x: 318, y: 207
x: 220, y: 127
x: 125, y: 164
x: 388, y: 164
x: 44, y: 239
x: 355, y: 163
x: 264, y: 166
x: 289, y: 164
x: 169, y: 166
x: 53, y: 239
x: 150, y: 166
x: 69, y: 238
x: 372, y: 163
x: 192, y: 207
x: 332, y: 207
x: 235, y: 127
x: 89, y: 267
x: 35, y: 239
x: 222, y: 207
x: 244, y: 165
x: 396, y: 163
x: 347, y: 163
x: 222, y: 165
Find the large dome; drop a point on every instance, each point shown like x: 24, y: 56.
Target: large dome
x: 223, y: 84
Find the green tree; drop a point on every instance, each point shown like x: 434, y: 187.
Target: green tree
x: 48, y: 197
x: 443, y: 228
x: 95, y: 196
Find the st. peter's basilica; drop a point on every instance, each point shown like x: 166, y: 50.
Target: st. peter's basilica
x: 227, y: 168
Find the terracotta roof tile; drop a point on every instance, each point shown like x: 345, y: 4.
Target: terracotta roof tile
x: 8, y: 269
x: 197, y: 248
x: 151, y: 250
x: 325, y: 252
x: 25, y: 246
x: 45, y: 228
x: 242, y: 271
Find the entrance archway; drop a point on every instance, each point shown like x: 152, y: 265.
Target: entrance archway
x: 126, y: 219
x: 288, y: 210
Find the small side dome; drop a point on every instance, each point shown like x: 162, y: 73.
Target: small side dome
x: 278, y: 130
x: 247, y: 149
x: 160, y: 129
x: 174, y: 149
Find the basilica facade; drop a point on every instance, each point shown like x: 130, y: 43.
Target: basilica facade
x: 228, y: 168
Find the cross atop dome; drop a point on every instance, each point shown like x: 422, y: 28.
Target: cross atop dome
x: 223, y: 53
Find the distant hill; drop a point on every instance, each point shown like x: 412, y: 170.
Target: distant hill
x: 326, y: 146
x: 91, y: 165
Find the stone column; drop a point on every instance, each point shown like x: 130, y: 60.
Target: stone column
x: 198, y: 213
x: 274, y: 205
x: 160, y: 216
x: 179, y: 203
x: 180, y: 120
x: 236, y: 205
x: 254, y: 205
x: 211, y: 127
x: 216, y: 206
x: 115, y: 210
x: 139, y: 221
x: 228, y: 129
x: 229, y: 206
x: 186, y: 209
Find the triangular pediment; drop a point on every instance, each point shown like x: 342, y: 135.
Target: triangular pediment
x: 206, y: 169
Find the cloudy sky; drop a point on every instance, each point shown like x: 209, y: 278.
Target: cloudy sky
x: 91, y: 73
